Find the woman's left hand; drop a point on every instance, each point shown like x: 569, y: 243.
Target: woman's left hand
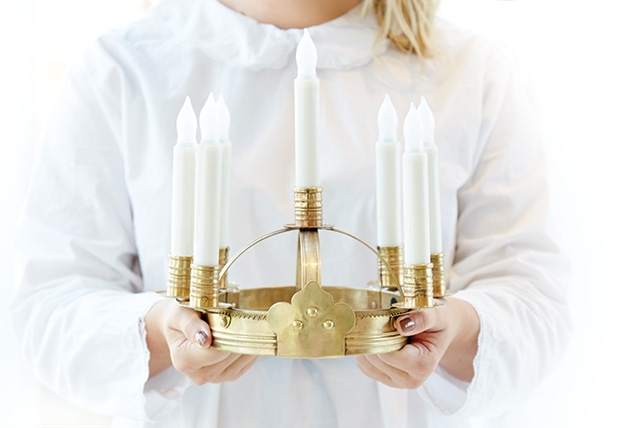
x: 446, y: 336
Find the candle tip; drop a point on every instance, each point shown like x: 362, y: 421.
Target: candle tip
x: 306, y: 56
x: 186, y: 124
x: 209, y: 120
x: 413, y: 131
x: 387, y: 120
x: 224, y: 119
x: 428, y: 123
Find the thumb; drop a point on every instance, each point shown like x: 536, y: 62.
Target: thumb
x: 194, y: 328
x: 413, y: 323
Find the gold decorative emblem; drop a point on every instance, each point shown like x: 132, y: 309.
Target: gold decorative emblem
x: 312, y: 325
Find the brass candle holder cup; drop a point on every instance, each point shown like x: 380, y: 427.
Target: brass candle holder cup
x: 308, y: 319
x: 417, y: 287
x: 390, y: 267
x: 439, y: 286
x: 179, y: 271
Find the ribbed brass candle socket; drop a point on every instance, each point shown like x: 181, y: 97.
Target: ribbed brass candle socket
x: 438, y: 276
x: 308, y: 207
x: 417, y: 287
x: 223, y: 257
x: 179, y: 276
x: 204, y: 286
x: 391, y: 266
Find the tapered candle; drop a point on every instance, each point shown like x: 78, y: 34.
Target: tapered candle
x: 415, y: 193
x: 388, y: 178
x: 428, y: 122
x: 208, y: 188
x: 182, y: 220
x: 226, y: 152
x: 306, y: 115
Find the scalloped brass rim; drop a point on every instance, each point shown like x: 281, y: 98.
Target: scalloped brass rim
x: 246, y: 331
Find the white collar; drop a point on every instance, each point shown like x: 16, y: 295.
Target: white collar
x: 239, y: 41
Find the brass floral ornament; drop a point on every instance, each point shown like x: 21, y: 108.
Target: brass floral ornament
x: 312, y: 325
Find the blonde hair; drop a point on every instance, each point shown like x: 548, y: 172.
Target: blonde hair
x: 407, y: 23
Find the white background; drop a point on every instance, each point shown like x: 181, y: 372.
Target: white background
x: 575, y: 56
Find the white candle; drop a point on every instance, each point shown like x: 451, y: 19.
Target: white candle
x: 182, y: 220
x: 388, y: 178
x: 415, y: 192
x: 428, y: 122
x: 306, y: 115
x: 226, y: 152
x: 208, y: 188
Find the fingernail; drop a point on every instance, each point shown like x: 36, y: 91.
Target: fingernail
x: 407, y: 324
x: 201, y: 337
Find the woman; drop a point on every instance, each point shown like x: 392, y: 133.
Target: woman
x: 95, y: 231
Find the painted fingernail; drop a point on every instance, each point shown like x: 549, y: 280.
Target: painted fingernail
x: 201, y: 337
x: 407, y: 324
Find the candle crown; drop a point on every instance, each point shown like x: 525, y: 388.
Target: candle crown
x: 306, y: 56
x: 186, y: 124
x: 209, y: 120
x: 428, y: 122
x: 413, y: 131
x: 387, y: 121
x: 319, y: 321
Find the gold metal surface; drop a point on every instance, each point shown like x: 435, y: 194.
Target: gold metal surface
x: 439, y: 285
x: 308, y: 259
x: 204, y: 287
x: 307, y: 319
x: 312, y: 325
x: 223, y: 257
x: 179, y: 276
x: 308, y: 207
x: 307, y: 322
x: 245, y: 330
x: 391, y: 266
x: 417, y: 287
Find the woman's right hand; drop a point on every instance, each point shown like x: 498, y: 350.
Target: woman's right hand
x: 178, y: 336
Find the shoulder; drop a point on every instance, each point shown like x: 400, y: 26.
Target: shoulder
x: 145, y: 47
x: 464, y: 53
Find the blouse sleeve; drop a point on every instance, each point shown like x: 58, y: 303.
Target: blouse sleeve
x: 79, y: 307
x: 507, y: 263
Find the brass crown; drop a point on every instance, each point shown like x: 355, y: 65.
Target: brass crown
x: 308, y: 319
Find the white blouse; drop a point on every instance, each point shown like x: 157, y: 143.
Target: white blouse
x: 94, y: 234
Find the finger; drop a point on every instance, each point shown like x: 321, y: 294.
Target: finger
x: 194, y: 329
x: 413, y: 323
x: 192, y: 360
x: 366, y: 365
x: 237, y: 368
x: 407, y: 368
x: 390, y: 368
x: 415, y: 361
x: 225, y: 370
